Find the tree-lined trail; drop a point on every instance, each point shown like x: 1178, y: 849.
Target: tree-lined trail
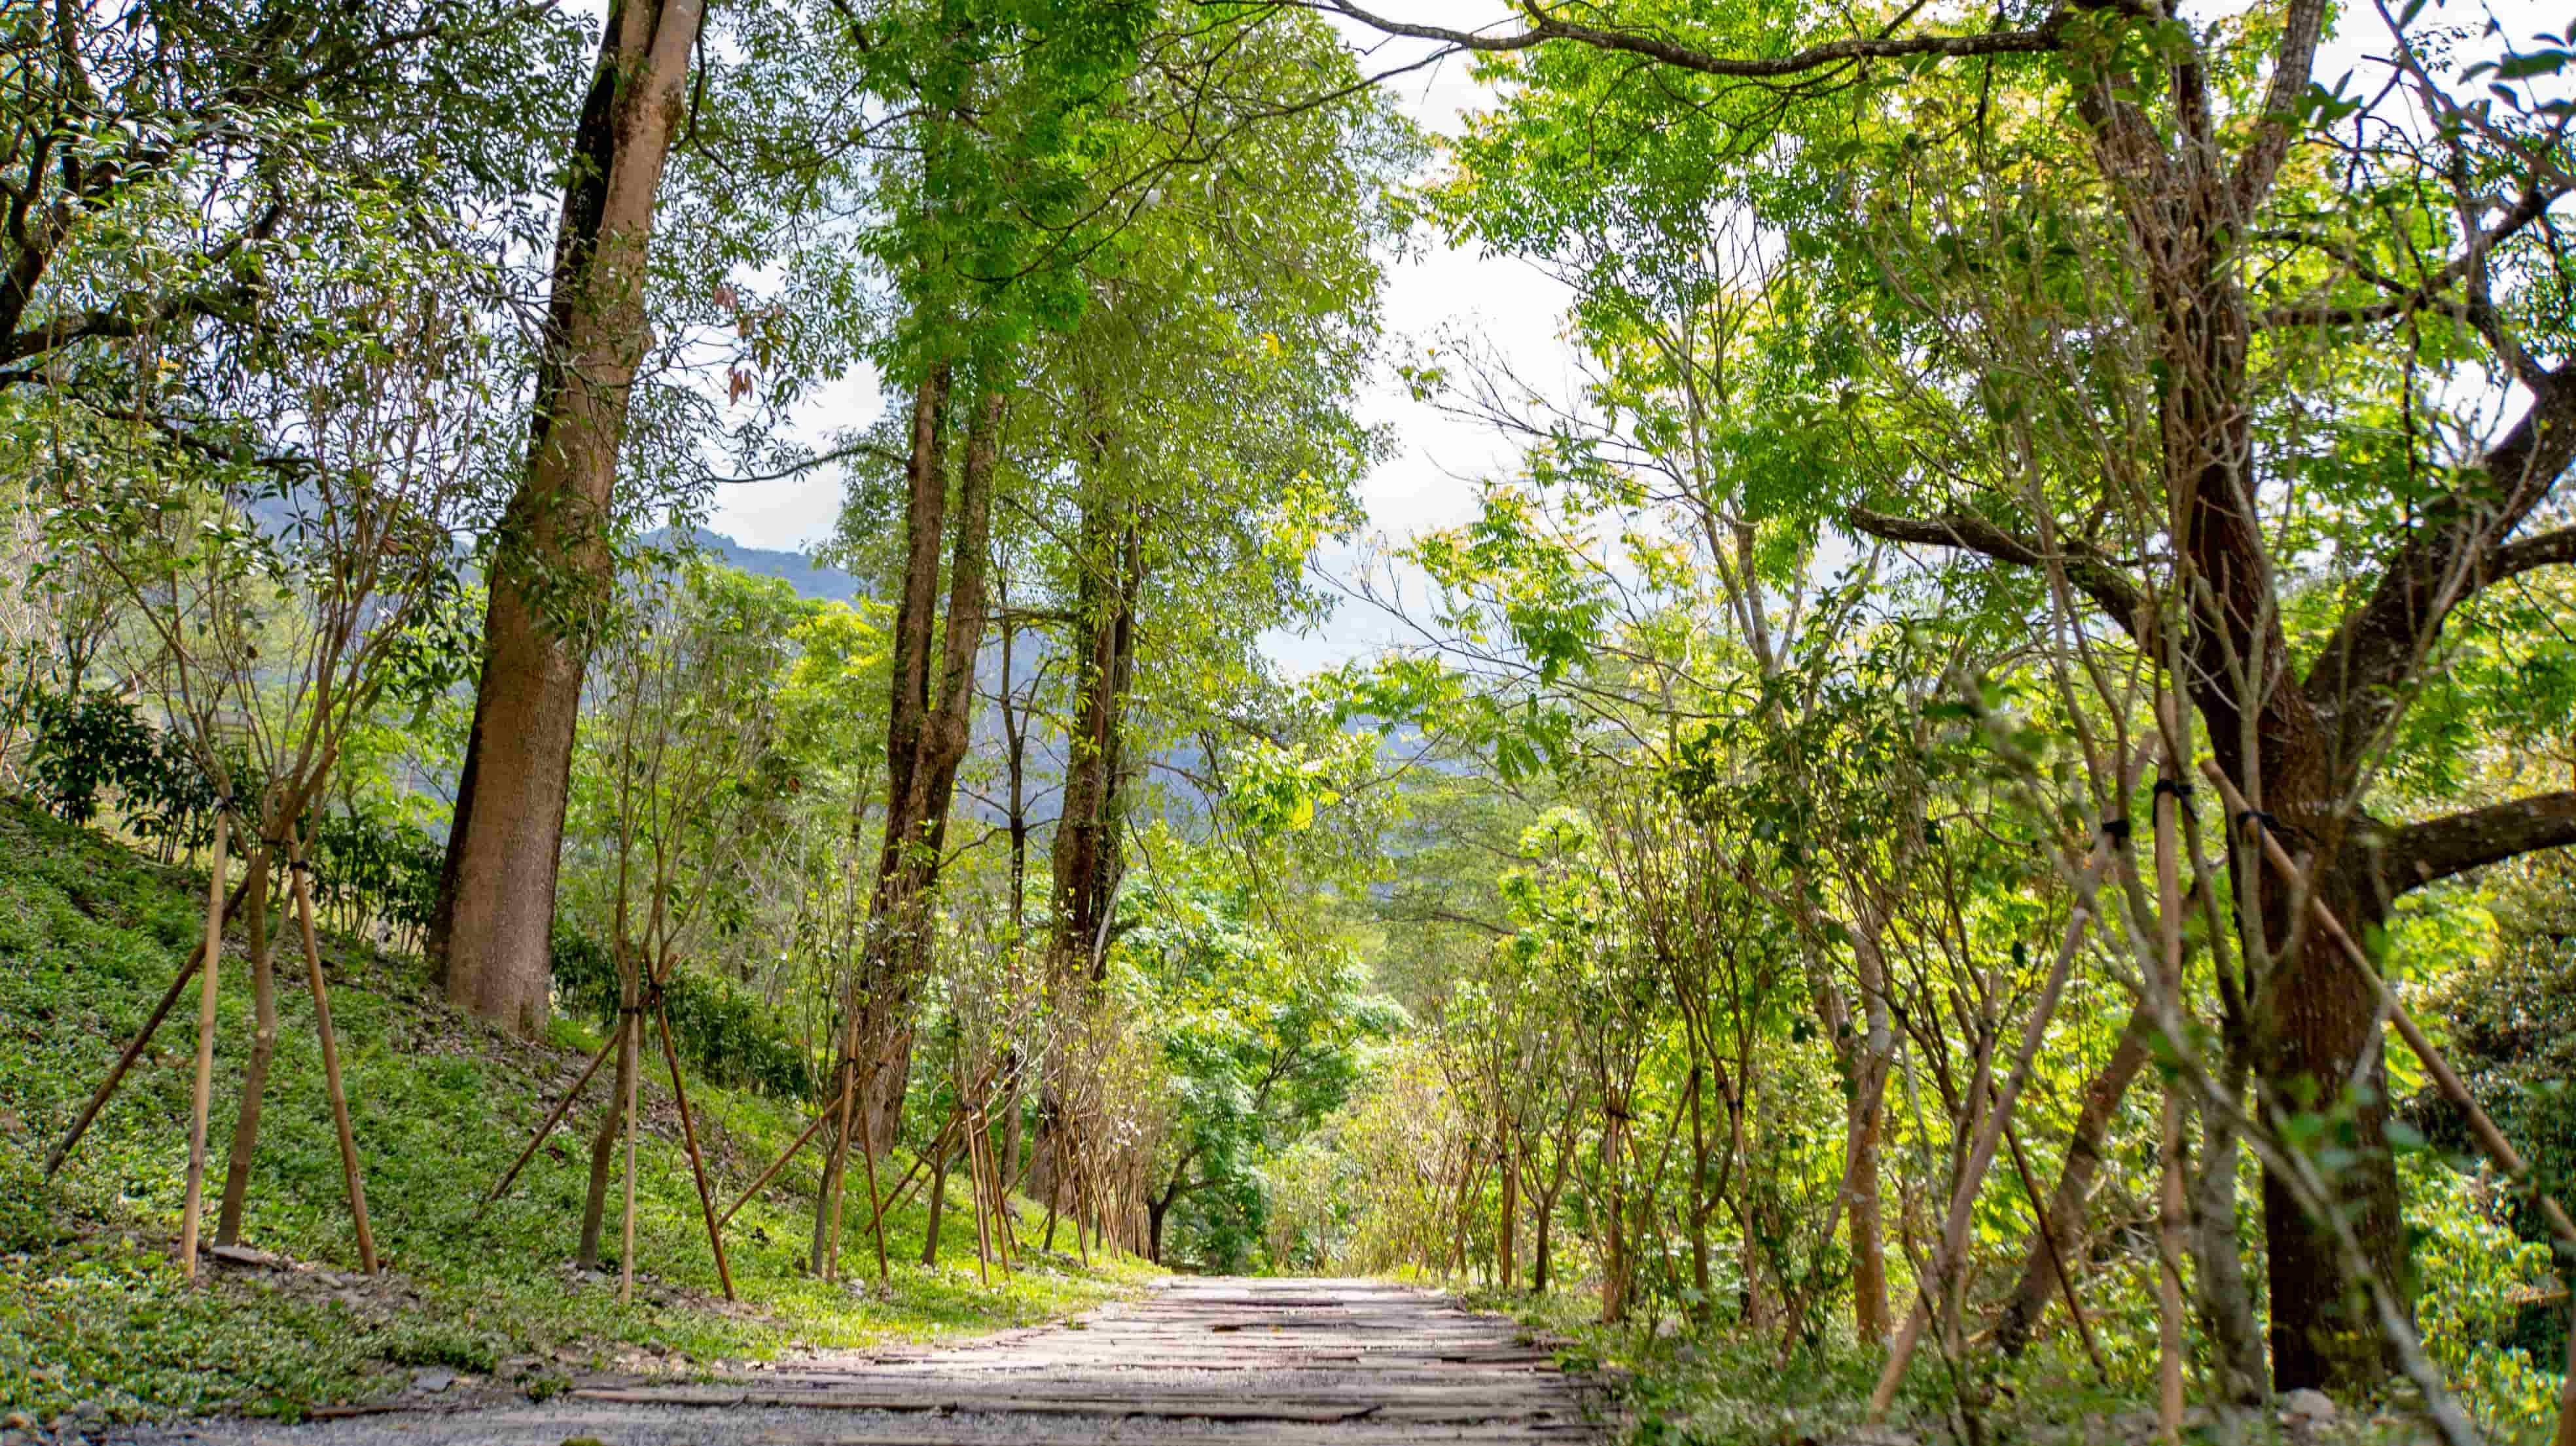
x: 1266, y: 1362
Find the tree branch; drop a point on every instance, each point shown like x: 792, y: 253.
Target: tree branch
x: 2545, y: 549
x: 1540, y: 28
x: 2448, y: 558
x: 2092, y: 573
x: 2439, y: 848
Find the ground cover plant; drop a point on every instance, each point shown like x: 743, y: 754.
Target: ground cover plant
x: 97, y: 1315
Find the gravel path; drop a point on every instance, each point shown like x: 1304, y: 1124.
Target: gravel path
x: 1262, y: 1362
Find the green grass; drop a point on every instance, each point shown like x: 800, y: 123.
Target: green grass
x: 93, y: 1309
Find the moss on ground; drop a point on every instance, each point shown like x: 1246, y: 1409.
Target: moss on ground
x: 94, y: 1311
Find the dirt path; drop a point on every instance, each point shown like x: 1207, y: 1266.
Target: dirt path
x: 1262, y: 1362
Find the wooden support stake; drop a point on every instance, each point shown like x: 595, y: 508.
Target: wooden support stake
x: 556, y: 1117
x: 697, y: 1162
x: 331, y: 1083
x: 2169, y: 1206
x: 2056, y: 1254
x: 876, y: 1206
x: 626, y: 1238
x: 1001, y: 1206
x: 1981, y: 1153
x: 134, y: 1050
x: 190, y: 1213
x: 822, y: 1117
x: 975, y: 1199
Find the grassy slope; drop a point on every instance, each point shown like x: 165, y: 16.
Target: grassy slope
x: 92, y: 1306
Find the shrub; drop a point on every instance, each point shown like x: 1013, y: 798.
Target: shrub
x: 721, y: 1032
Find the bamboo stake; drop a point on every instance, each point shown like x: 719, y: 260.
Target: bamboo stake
x: 697, y: 1162
x: 1001, y: 1206
x: 975, y: 1199
x: 561, y: 1106
x: 822, y: 1117
x: 1981, y: 1154
x: 834, y: 1167
x: 134, y: 1050
x: 626, y: 1239
x: 876, y: 1207
x: 2489, y: 1137
x: 2056, y: 1255
x: 349, y: 1170
x: 196, y: 1202
x: 2169, y: 1207
x: 923, y: 1166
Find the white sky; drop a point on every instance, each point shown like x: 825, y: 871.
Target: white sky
x: 1430, y: 482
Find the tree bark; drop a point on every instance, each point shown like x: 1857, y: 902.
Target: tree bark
x: 1085, y: 858
x: 927, y: 729
x: 491, y: 931
x: 1870, y: 1321
x: 2185, y: 215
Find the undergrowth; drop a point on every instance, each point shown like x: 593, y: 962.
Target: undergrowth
x: 94, y: 1310
x: 1680, y: 1386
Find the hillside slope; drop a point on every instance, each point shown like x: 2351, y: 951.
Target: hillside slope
x: 97, y: 1323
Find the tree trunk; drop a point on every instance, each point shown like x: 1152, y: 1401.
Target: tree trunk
x: 1868, y: 1224
x: 1085, y: 859
x: 1700, y: 1309
x: 2224, y: 1303
x: 490, y: 933
x: 263, y: 1050
x: 926, y: 729
x: 1015, y: 758
x: 1508, y: 1219
x: 603, y: 1146
x: 1616, y: 1266
x: 1757, y: 1315
x: 2324, y: 1334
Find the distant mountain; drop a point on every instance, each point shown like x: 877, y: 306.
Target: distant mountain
x: 797, y: 569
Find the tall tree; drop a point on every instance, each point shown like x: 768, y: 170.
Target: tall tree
x: 550, y: 565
